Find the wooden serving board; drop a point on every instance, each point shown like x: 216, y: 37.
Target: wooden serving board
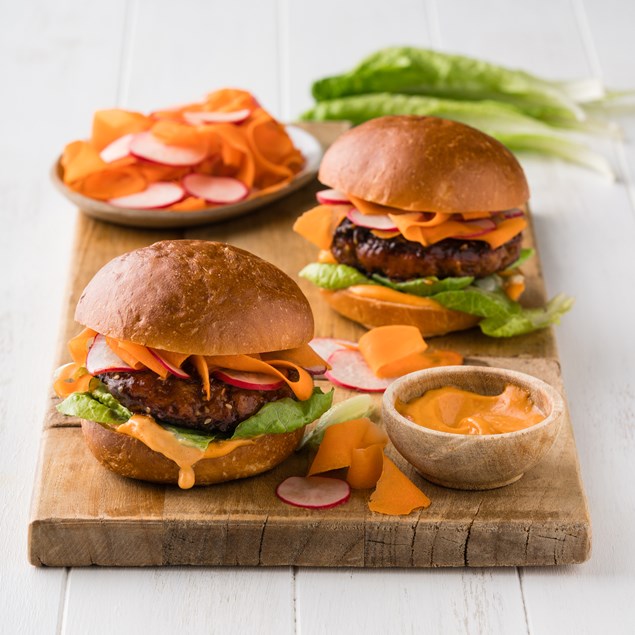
x: 83, y: 514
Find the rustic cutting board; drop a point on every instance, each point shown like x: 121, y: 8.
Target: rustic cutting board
x: 83, y: 514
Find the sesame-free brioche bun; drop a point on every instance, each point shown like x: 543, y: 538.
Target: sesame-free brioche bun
x: 129, y: 457
x: 430, y: 318
x: 425, y: 164
x: 197, y: 297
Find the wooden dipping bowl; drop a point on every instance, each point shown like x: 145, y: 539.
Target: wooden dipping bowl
x: 472, y: 462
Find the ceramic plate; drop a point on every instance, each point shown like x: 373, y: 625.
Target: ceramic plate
x: 305, y: 142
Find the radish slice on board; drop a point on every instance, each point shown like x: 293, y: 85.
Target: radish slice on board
x: 202, y: 117
x: 326, y: 346
x: 313, y: 492
x: 102, y: 359
x: 155, y: 196
x: 481, y: 226
x: 371, y: 221
x: 250, y: 381
x: 118, y: 149
x: 215, y: 189
x: 175, y: 370
x: 350, y: 370
x: 332, y: 197
x: 145, y: 145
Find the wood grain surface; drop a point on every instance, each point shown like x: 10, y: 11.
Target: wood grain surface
x: 104, y: 519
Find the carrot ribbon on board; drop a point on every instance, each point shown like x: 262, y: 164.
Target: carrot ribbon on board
x: 359, y: 446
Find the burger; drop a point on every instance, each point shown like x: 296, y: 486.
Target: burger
x: 423, y: 226
x: 193, y: 366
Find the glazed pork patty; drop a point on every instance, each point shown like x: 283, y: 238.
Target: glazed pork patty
x: 181, y: 402
x: 401, y: 259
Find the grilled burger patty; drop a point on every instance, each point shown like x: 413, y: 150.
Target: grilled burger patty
x: 402, y: 259
x: 181, y: 401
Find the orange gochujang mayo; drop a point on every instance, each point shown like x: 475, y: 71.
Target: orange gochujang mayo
x: 451, y: 409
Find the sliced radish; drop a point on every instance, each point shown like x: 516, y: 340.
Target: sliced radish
x: 350, y: 370
x: 202, y: 117
x: 175, y: 370
x: 102, y: 359
x: 155, y: 196
x: 249, y: 381
x: 332, y: 197
x: 317, y: 371
x: 371, y: 221
x: 313, y: 492
x: 512, y: 213
x: 118, y: 149
x: 215, y: 189
x: 481, y: 226
x: 145, y: 145
x: 326, y: 346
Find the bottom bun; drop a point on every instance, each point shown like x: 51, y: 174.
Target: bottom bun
x: 431, y: 319
x: 130, y: 457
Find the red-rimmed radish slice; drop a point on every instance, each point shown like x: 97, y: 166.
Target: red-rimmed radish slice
x: 316, y: 371
x: 155, y: 196
x: 371, y: 221
x: 350, y: 370
x: 481, y: 226
x: 175, y: 370
x: 313, y: 492
x: 145, y: 145
x: 198, y: 118
x: 102, y: 359
x: 332, y: 197
x: 118, y: 149
x: 249, y: 381
x: 512, y: 213
x: 215, y: 189
x: 326, y: 346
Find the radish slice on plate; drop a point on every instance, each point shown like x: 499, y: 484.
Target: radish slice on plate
x: 371, y: 221
x: 155, y: 196
x: 202, y: 117
x: 350, y: 370
x: 250, y: 381
x: 332, y: 197
x: 326, y: 346
x: 313, y: 492
x: 118, y: 149
x: 145, y: 145
x: 175, y: 370
x: 215, y: 189
x: 102, y: 359
x: 481, y: 226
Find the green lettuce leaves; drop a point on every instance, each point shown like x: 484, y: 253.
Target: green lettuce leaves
x: 501, y: 316
x: 333, y: 277
x: 284, y: 415
x: 96, y: 405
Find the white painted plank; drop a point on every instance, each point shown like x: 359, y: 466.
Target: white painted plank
x: 211, y: 601
x: 331, y: 36
x: 393, y: 601
x: 409, y: 601
x: 173, y: 56
x: 58, y: 61
x: 180, y: 52
x: 585, y: 229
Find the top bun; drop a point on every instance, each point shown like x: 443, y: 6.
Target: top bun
x: 196, y: 297
x: 425, y: 164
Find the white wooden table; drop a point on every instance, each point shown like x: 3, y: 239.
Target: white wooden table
x: 60, y: 61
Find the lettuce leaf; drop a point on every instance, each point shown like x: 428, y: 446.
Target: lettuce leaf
x: 525, y: 255
x: 284, y: 415
x: 333, y: 277
x: 503, y: 317
x: 425, y: 287
x: 96, y: 405
x: 193, y: 438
